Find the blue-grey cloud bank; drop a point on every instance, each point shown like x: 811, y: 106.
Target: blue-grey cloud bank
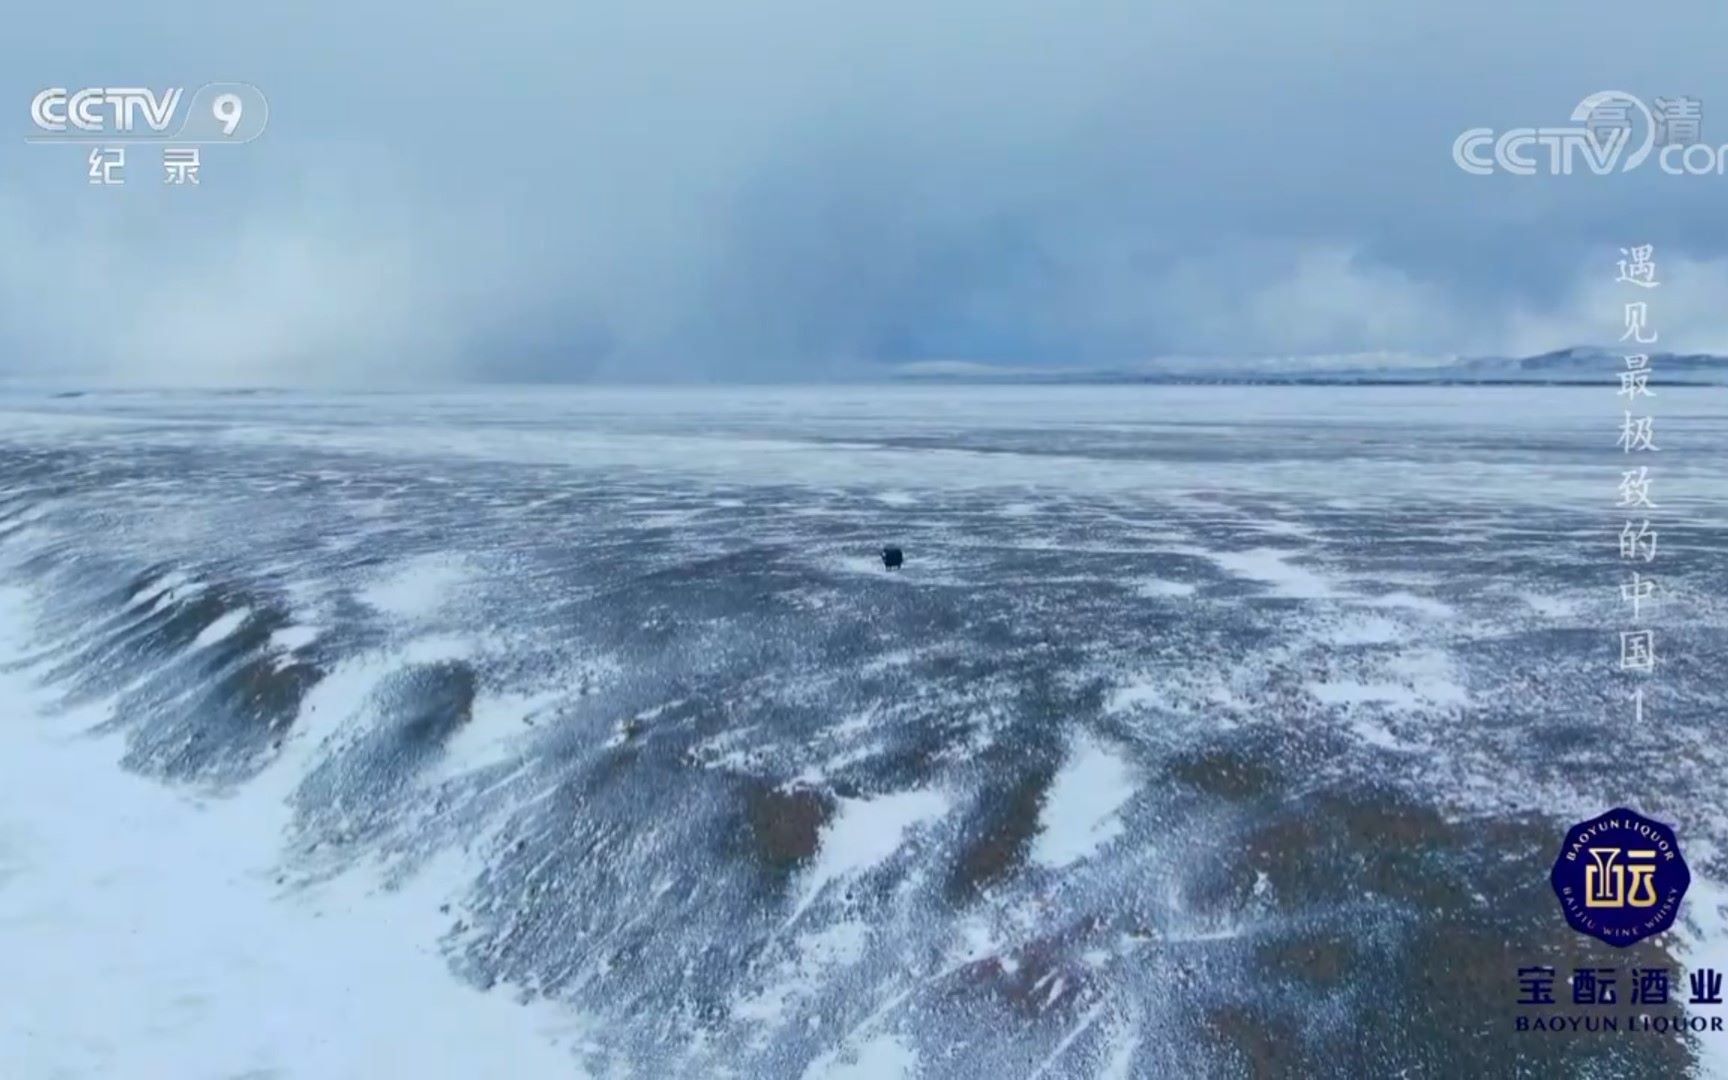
x: 789, y: 190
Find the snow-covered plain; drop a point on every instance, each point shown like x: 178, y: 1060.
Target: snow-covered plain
x: 552, y: 733
x: 147, y: 931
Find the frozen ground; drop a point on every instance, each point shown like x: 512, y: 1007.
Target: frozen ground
x: 1211, y: 731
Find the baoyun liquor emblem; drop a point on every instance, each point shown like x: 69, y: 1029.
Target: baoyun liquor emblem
x: 1620, y: 877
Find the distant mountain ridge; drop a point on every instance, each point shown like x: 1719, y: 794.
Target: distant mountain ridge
x: 1579, y: 365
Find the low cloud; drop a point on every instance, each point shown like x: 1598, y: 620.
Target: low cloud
x: 788, y: 190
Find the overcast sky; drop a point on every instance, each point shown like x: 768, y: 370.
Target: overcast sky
x: 811, y: 189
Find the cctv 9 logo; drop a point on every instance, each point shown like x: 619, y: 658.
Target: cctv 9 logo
x: 217, y: 113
